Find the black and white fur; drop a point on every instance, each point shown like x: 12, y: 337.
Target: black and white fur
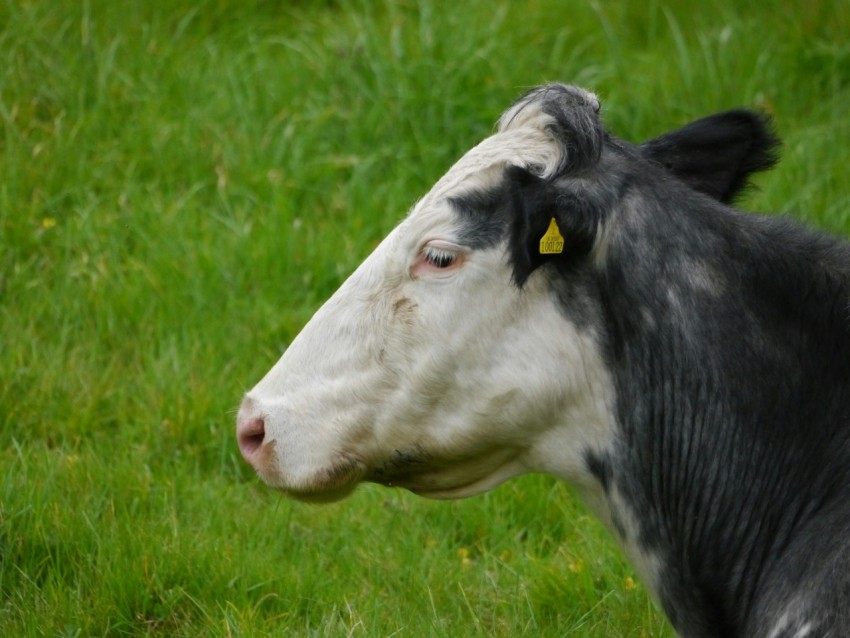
x: 685, y: 365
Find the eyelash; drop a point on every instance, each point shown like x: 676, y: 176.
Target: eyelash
x: 438, y: 258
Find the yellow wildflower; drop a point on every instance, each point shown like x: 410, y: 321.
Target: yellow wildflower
x: 576, y: 566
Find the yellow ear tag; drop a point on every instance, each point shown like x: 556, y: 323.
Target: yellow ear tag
x: 552, y: 242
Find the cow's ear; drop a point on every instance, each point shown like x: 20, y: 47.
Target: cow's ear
x: 718, y: 154
x: 548, y: 224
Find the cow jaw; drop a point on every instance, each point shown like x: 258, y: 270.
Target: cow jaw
x: 448, y: 479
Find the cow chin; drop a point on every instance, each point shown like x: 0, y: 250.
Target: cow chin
x: 320, y: 496
x: 459, y: 491
x: 325, y: 485
x: 456, y: 483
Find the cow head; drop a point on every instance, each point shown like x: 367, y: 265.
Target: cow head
x: 463, y: 352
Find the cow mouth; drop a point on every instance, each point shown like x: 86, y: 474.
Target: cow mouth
x: 325, y: 486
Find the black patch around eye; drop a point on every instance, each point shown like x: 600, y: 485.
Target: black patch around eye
x: 482, y: 217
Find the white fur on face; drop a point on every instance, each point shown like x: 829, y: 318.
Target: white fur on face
x: 446, y: 381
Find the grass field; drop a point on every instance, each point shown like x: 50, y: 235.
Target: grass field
x: 182, y: 183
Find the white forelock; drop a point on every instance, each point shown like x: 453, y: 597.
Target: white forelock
x: 531, y: 146
x: 526, y: 136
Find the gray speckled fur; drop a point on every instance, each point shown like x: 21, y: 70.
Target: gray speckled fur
x: 728, y: 338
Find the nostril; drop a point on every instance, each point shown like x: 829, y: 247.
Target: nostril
x: 250, y: 433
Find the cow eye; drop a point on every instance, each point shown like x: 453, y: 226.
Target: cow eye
x: 439, y: 258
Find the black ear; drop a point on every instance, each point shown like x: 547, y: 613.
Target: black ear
x: 718, y: 154
x: 534, y: 203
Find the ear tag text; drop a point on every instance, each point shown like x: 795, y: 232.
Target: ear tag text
x: 552, y: 242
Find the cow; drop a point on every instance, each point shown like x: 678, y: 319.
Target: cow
x: 566, y: 302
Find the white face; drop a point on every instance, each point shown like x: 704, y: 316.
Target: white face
x: 429, y: 369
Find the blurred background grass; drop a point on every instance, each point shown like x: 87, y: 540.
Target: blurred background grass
x: 182, y: 183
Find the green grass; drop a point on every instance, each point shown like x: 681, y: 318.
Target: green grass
x: 182, y: 183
